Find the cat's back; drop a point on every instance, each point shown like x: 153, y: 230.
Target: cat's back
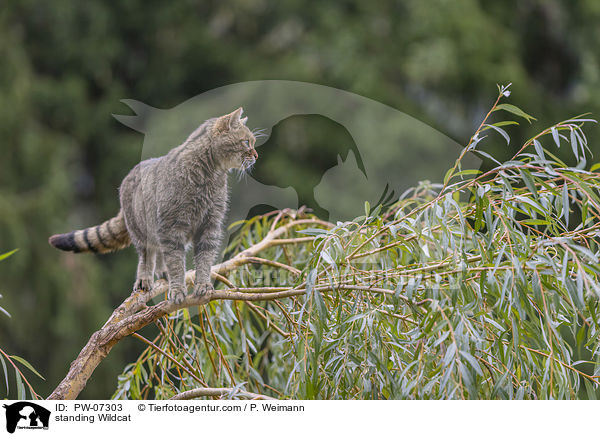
x: 141, y: 178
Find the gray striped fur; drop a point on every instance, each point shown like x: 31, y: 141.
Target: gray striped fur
x: 173, y: 202
x: 109, y: 236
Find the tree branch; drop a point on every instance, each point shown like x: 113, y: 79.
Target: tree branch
x: 218, y: 392
x: 134, y: 314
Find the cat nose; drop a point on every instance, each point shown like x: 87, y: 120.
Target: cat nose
x: 254, y: 154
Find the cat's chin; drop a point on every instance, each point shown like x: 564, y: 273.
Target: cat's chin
x: 243, y: 167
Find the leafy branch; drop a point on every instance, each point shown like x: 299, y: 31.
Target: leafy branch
x: 133, y: 314
x: 21, y: 380
x: 486, y: 286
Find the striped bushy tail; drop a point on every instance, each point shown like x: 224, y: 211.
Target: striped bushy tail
x: 109, y: 236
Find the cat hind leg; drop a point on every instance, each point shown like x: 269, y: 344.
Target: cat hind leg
x: 145, y: 270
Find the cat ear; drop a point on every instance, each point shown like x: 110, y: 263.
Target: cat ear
x: 234, y: 118
x: 229, y: 121
x: 243, y: 120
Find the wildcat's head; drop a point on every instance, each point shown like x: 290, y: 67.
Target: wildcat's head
x: 232, y: 141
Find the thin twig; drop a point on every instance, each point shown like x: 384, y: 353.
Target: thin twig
x: 219, y: 392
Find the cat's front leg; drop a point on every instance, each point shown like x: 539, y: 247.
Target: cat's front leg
x: 173, y: 253
x: 206, y: 245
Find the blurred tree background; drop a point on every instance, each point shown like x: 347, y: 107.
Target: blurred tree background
x: 66, y: 64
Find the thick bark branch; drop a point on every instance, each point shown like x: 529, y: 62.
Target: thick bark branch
x: 133, y: 314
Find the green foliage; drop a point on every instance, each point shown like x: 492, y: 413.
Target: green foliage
x: 485, y: 287
x: 22, y: 386
x: 66, y: 65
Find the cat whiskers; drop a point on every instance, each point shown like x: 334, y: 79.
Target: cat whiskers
x: 247, y: 164
x: 240, y: 174
x: 245, y: 168
x: 259, y: 133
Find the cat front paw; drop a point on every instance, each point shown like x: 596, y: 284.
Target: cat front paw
x: 176, y: 295
x: 144, y: 285
x: 204, y: 291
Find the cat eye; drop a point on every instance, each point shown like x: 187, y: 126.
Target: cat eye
x: 246, y: 143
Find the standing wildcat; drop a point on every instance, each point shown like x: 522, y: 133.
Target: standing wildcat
x: 173, y: 202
